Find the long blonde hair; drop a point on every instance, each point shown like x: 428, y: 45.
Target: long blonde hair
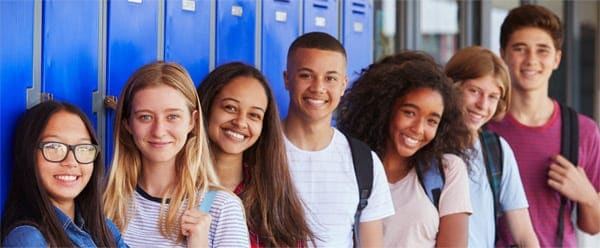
x: 193, y: 163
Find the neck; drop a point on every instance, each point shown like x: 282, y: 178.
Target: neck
x: 306, y: 135
x: 531, y: 108
x: 158, y: 179
x: 229, y: 169
x: 396, y: 167
x: 67, y: 207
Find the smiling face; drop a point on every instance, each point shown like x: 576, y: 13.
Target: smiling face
x: 316, y: 80
x: 414, y: 122
x: 531, y: 57
x: 237, y: 114
x: 64, y: 180
x: 159, y: 123
x: 480, y: 100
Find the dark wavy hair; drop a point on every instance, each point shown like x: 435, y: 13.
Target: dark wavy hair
x: 273, y: 209
x: 367, y: 107
x: 28, y: 202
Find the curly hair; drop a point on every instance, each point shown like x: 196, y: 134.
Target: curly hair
x: 367, y: 107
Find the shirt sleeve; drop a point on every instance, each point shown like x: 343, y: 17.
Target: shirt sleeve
x: 512, y: 194
x: 380, y: 203
x: 455, y: 197
x: 228, y: 222
x: 24, y: 236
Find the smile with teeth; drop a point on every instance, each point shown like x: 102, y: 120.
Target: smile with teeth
x: 475, y: 116
x: 410, y: 141
x: 235, y: 135
x: 315, y: 101
x: 66, y: 178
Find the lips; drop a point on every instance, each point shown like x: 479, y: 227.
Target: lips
x: 158, y: 144
x: 409, y: 141
x: 315, y: 101
x: 66, y: 178
x: 235, y: 135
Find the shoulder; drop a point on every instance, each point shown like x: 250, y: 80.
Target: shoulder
x: 225, y: 200
x: 452, y: 160
x: 24, y: 236
x: 587, y: 126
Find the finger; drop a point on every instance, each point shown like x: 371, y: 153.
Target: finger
x: 554, y: 184
x: 556, y: 176
x: 562, y: 161
x: 557, y: 168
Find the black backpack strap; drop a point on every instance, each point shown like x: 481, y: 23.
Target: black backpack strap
x: 569, y: 149
x: 363, y: 169
x: 493, y: 158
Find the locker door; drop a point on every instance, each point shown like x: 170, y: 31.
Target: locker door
x: 235, y: 29
x: 279, y: 29
x: 187, y: 35
x: 131, y: 43
x: 322, y: 16
x: 357, y: 35
x: 16, y: 70
x: 70, y: 52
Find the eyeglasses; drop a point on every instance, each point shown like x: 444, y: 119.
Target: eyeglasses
x: 57, y: 152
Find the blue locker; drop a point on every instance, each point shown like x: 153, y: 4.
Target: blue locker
x: 322, y: 16
x: 187, y: 35
x: 357, y: 35
x: 70, y: 52
x: 235, y: 29
x: 131, y: 43
x: 16, y: 70
x: 280, y: 26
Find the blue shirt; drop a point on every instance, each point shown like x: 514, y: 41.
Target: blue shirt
x: 482, y: 231
x: 29, y: 236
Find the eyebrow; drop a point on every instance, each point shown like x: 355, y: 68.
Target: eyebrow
x: 310, y: 70
x: 411, y: 105
x: 58, y: 137
x: 166, y: 110
x: 237, y: 101
x: 537, y: 44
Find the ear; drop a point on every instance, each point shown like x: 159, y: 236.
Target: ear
x: 285, y: 80
x: 125, y: 124
x: 344, y: 84
x: 193, y: 120
x: 557, y: 58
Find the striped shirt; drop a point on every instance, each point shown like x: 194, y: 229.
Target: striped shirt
x: 227, y: 228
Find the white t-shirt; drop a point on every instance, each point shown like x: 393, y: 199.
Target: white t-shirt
x: 416, y: 221
x: 227, y: 228
x: 327, y: 185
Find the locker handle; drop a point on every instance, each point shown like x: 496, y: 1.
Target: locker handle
x: 320, y: 5
x: 110, y: 102
x: 44, y: 96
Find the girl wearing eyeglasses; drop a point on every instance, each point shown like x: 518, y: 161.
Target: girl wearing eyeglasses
x: 55, y: 194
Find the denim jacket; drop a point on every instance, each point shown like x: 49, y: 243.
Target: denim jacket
x: 29, y: 236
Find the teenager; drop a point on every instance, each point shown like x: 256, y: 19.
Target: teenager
x: 246, y: 143
x: 161, y: 168
x: 57, y: 174
x: 405, y: 109
x: 320, y: 157
x: 531, y: 39
x: 484, y: 82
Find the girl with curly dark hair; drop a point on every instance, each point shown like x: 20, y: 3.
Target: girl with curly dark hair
x: 405, y: 108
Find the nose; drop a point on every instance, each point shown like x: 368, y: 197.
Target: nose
x: 240, y: 121
x: 482, y: 102
x: 530, y: 56
x: 70, y: 160
x: 317, y: 85
x: 158, y: 128
x: 418, y: 126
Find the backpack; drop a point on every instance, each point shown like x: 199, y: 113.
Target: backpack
x: 432, y: 180
x: 363, y: 170
x: 569, y: 136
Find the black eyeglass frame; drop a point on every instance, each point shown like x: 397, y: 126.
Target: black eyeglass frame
x: 69, y: 148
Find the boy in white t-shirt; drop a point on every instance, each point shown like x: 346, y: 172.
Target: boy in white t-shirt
x: 320, y: 157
